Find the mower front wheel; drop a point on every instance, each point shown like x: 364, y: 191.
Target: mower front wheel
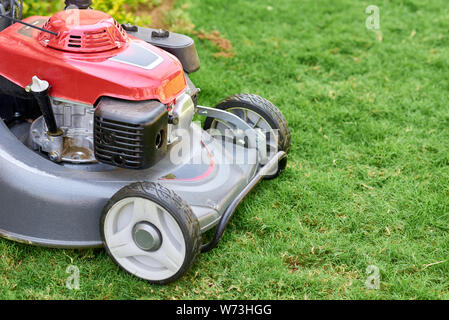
x: 261, y: 114
x: 150, y: 232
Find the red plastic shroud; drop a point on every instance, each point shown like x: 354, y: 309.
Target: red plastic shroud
x: 86, y: 76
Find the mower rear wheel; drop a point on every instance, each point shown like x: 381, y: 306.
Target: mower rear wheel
x: 150, y: 232
x: 259, y: 113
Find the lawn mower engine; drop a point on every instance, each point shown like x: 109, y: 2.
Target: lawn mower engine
x: 98, y: 146
x: 100, y: 125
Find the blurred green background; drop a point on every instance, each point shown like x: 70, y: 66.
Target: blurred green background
x: 121, y: 10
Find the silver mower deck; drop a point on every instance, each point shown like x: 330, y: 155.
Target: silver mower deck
x: 47, y: 204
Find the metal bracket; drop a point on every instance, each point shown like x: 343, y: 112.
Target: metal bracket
x: 256, y: 139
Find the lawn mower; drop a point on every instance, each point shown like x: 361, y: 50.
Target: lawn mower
x: 100, y: 147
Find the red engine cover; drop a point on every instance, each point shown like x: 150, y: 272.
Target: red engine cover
x: 120, y: 66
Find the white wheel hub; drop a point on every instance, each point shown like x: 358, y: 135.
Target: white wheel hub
x: 144, y: 239
x: 147, y: 237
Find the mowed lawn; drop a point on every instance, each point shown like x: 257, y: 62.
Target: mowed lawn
x: 367, y: 181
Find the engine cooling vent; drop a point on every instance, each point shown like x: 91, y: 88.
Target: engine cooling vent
x: 83, y: 31
x: 130, y: 134
x: 119, y: 143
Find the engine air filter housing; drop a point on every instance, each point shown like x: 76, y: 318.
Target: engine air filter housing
x: 83, y: 31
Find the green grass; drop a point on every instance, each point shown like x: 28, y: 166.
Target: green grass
x: 367, y: 182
